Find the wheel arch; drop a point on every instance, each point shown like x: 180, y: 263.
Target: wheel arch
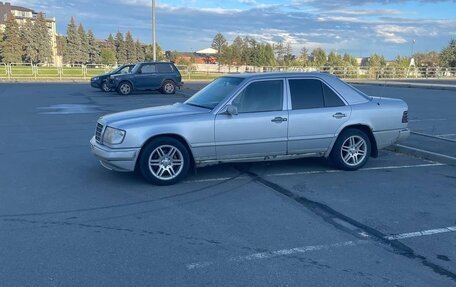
x: 364, y: 128
x: 128, y: 81
x: 180, y: 138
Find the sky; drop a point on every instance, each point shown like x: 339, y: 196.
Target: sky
x: 358, y: 27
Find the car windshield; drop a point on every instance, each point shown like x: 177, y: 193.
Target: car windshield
x: 211, y: 95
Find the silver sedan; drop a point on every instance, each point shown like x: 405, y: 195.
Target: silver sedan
x: 252, y: 117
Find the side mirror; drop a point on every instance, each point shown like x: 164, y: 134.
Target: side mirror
x: 139, y: 72
x: 231, y: 110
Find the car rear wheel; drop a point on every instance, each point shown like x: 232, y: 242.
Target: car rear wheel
x: 168, y: 88
x: 104, y: 87
x: 125, y: 88
x: 164, y: 161
x: 351, y: 150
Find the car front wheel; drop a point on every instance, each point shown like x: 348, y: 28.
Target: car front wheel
x: 104, y: 87
x: 351, y: 150
x: 168, y: 88
x: 164, y: 161
x: 125, y: 88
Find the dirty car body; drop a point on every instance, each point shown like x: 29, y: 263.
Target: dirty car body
x: 252, y: 117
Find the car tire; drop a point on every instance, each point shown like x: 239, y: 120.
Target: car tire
x: 168, y: 88
x: 125, y: 88
x: 104, y: 87
x: 164, y: 161
x: 351, y: 150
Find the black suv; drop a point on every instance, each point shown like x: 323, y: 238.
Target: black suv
x: 162, y: 76
x: 101, y: 81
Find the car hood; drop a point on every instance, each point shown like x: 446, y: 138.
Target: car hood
x: 123, y: 119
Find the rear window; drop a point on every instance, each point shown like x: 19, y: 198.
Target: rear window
x: 164, y: 68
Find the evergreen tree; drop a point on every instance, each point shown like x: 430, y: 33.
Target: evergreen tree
x: 121, y: 52
x: 11, y: 44
x: 319, y: 57
x: 71, y: 53
x: 110, y: 42
x: 1, y: 46
x: 140, y: 56
x: 84, y: 49
x: 237, y: 47
x: 130, y: 48
x: 448, y: 55
x: 29, y: 50
x: 107, y: 56
x: 219, y: 43
x: 42, y: 40
x: 304, y: 56
x: 94, y: 49
x: 280, y: 52
x: 61, y: 45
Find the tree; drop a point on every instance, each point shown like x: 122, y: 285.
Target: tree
x: 430, y: 59
x: 29, y: 50
x: 219, y: 43
x: 280, y: 52
x: 448, y: 55
x: 334, y: 60
x: 288, y: 56
x: 11, y: 44
x: 304, y: 55
x: 140, y: 55
x: 319, y: 57
x: 61, y: 45
x: 107, y: 56
x: 130, y: 48
x: 376, y: 61
x: 110, y: 42
x: 1, y: 45
x: 84, y: 48
x: 121, y: 52
x: 43, y: 40
x: 94, y: 49
x: 71, y: 53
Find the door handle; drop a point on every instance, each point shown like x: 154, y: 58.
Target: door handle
x: 339, y: 115
x: 278, y: 120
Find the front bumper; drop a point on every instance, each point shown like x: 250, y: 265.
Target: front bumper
x: 122, y: 159
x: 95, y: 84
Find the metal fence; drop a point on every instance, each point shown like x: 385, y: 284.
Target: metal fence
x: 207, y: 72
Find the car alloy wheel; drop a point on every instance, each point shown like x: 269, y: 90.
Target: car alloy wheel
x: 166, y: 162
x: 354, y: 150
x: 351, y: 150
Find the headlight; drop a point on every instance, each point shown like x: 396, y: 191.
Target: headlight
x: 113, y: 136
x: 95, y: 79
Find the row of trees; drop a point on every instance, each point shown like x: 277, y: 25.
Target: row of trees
x: 29, y: 42
x: 79, y: 47
x: 247, y: 51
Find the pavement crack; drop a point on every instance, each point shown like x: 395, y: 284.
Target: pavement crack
x: 352, y: 226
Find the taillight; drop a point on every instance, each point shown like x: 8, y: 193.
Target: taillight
x: 405, y: 117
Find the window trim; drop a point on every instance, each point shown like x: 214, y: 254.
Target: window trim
x: 284, y: 95
x: 290, y: 104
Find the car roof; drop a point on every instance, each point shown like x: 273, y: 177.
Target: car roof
x: 351, y: 95
x: 156, y: 62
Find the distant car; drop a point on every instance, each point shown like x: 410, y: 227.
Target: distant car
x: 162, y: 76
x: 101, y: 81
x: 252, y: 117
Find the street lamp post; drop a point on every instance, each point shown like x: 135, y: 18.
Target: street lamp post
x: 153, y: 32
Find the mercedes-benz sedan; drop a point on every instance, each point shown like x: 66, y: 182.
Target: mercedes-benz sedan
x: 252, y: 117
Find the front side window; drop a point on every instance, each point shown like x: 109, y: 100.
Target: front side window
x: 263, y: 96
x: 148, y: 69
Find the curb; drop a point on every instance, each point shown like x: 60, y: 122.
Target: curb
x: 424, y: 154
x: 406, y: 85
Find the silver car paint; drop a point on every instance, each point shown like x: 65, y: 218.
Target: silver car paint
x: 214, y: 136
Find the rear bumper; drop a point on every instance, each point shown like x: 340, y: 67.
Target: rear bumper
x: 115, y: 159
x: 390, y: 137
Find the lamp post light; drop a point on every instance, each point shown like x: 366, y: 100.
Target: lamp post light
x: 153, y: 32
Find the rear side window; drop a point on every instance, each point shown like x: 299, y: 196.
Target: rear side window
x: 148, y: 69
x: 311, y: 94
x: 164, y: 68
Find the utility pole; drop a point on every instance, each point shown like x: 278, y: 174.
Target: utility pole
x: 153, y: 31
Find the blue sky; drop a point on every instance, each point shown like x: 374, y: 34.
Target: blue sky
x: 360, y: 27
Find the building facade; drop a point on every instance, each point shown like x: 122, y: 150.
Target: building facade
x: 22, y: 14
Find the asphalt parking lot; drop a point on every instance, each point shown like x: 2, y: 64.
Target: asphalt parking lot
x: 66, y: 221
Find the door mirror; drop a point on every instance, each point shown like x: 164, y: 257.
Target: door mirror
x: 139, y: 71
x: 231, y: 110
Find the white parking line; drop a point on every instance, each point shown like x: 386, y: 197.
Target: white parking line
x: 319, y: 172
x: 425, y: 120
x: 311, y: 248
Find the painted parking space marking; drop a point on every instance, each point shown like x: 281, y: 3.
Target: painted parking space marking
x: 320, y: 172
x: 320, y: 247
